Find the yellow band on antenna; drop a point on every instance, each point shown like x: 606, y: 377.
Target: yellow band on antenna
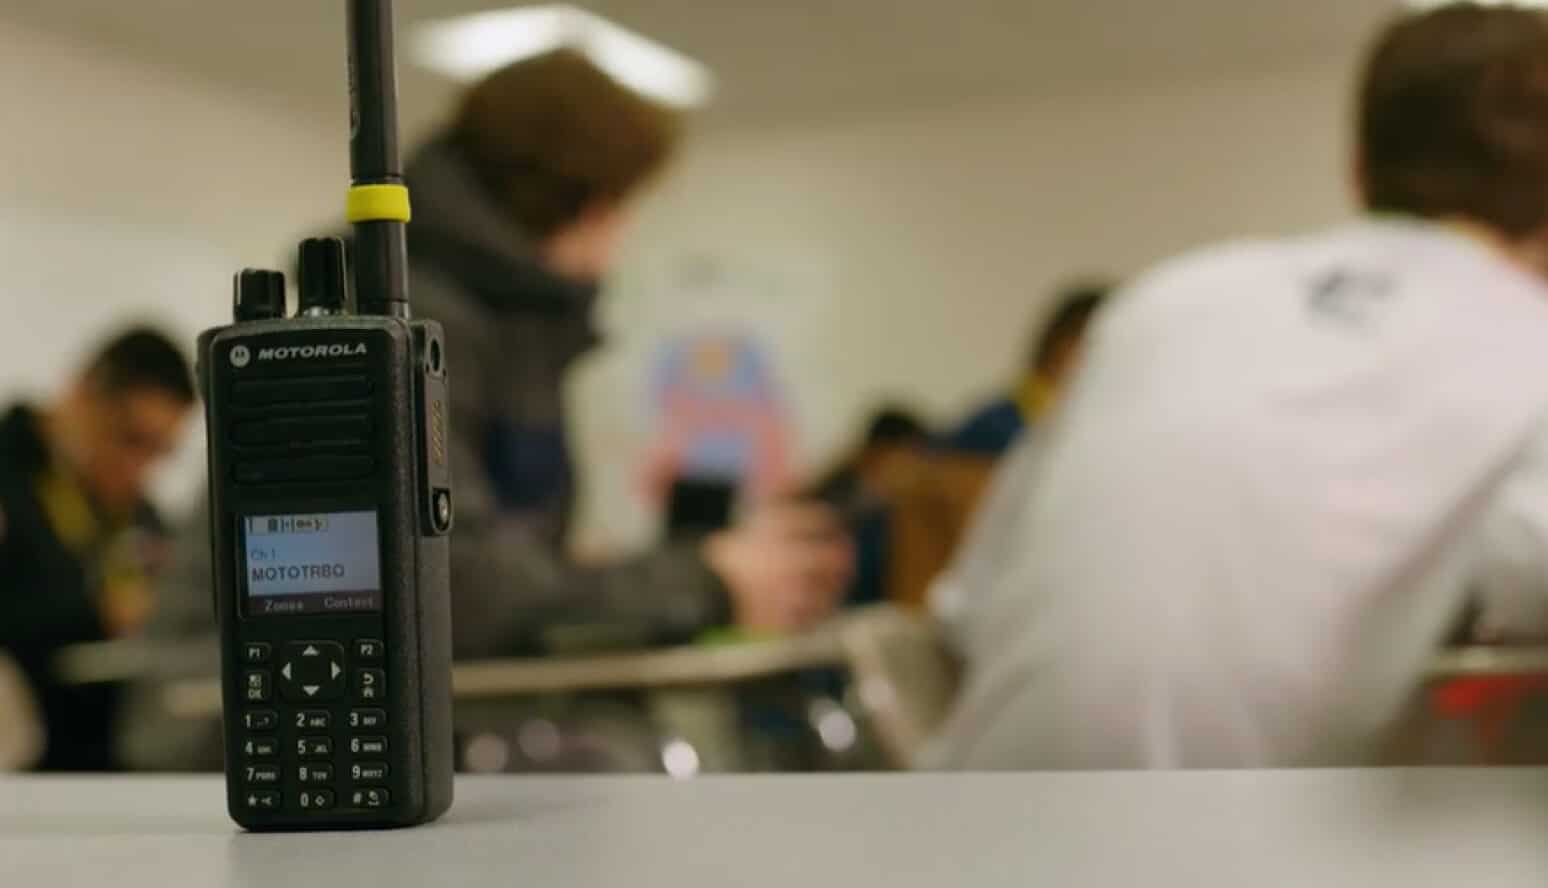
x: 378, y: 203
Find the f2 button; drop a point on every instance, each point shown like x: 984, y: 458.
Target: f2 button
x: 370, y: 684
x: 368, y: 650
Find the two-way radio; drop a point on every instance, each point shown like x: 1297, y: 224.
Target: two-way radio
x: 330, y: 506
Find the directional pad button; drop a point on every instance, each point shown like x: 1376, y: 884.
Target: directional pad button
x: 312, y: 671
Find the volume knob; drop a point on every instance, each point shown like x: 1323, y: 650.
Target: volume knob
x: 322, y: 277
x: 259, y: 295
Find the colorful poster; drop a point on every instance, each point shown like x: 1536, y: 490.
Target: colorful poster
x: 718, y: 415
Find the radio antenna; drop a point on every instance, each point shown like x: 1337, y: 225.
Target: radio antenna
x: 378, y: 204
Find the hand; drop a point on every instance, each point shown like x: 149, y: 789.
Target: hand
x: 126, y: 607
x: 786, y: 567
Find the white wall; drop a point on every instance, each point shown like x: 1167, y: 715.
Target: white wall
x: 886, y: 254
x: 129, y: 192
x: 911, y: 251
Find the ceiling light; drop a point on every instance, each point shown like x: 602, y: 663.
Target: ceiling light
x: 1435, y: 4
x: 468, y: 47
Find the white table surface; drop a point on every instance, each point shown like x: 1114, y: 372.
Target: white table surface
x: 1317, y: 828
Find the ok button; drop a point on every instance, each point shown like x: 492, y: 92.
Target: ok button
x: 312, y: 671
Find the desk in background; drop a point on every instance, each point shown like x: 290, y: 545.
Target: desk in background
x: 904, y: 679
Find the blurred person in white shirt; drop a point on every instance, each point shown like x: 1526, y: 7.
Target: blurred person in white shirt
x: 1288, y: 467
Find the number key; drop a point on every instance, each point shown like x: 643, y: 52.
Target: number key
x: 261, y: 747
x: 368, y: 745
x: 367, y: 719
x: 371, y: 772
x: 314, y: 774
x: 314, y: 720
x: 316, y: 799
x: 260, y: 720
x: 314, y: 747
x: 263, y: 774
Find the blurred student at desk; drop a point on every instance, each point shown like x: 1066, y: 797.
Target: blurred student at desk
x: 935, y: 513
x: 866, y: 486
x: 518, y: 210
x: 78, y: 541
x: 993, y: 428
x: 1289, y: 465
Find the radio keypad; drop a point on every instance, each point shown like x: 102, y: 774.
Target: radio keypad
x: 314, y: 672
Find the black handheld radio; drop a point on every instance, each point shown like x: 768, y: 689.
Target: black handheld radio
x: 330, y: 505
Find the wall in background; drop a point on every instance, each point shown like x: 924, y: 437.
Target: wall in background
x: 130, y: 192
x: 885, y: 255
x: 907, y: 255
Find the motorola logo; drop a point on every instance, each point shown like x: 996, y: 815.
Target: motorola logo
x: 303, y: 352
x: 240, y: 356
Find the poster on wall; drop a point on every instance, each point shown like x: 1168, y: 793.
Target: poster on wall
x: 721, y: 431
x: 716, y: 385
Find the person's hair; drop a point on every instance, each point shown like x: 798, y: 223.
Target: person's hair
x: 1077, y: 304
x: 1453, y: 118
x: 553, y: 135
x: 140, y: 359
x: 894, y: 424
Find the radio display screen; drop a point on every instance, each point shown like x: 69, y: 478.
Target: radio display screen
x: 312, y: 563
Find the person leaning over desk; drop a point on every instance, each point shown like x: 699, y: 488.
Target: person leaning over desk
x: 518, y: 209
x: 1288, y: 466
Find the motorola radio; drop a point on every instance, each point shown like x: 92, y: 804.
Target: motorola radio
x: 330, y: 506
